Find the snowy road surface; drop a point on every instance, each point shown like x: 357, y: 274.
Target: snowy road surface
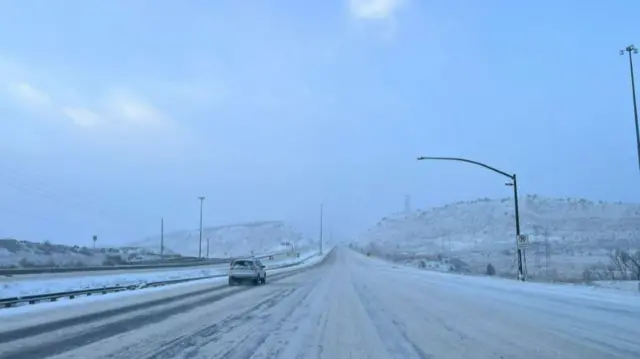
x: 349, y: 306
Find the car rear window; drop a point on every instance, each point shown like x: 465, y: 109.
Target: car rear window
x: 242, y: 264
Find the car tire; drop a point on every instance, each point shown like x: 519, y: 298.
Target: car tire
x: 232, y: 282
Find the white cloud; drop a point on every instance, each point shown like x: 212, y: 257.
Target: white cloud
x: 374, y: 9
x: 106, y: 120
x: 192, y: 93
x: 119, y: 108
x: 28, y: 95
x: 138, y: 111
x: 81, y: 116
x: 34, y: 98
x: 112, y: 109
x: 125, y: 106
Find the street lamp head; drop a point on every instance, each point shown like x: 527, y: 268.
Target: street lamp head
x: 509, y: 184
x: 630, y: 49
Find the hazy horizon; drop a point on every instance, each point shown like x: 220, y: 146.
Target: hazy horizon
x: 116, y: 114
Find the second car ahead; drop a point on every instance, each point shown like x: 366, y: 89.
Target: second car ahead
x: 247, y: 270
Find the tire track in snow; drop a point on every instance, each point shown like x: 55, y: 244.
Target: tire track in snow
x: 246, y: 329
x: 389, y: 329
x: 188, y: 346
x: 296, y: 335
x: 109, y: 329
x: 249, y: 344
x: 246, y: 342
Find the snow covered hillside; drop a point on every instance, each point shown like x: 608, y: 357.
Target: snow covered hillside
x: 25, y: 254
x: 231, y: 240
x: 225, y: 241
x: 568, y: 235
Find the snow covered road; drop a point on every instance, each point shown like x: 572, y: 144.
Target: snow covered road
x: 349, y: 306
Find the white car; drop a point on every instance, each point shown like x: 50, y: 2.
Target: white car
x: 247, y: 270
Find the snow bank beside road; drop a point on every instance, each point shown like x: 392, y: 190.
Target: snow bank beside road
x: 291, y: 261
x: 304, y: 261
x: 33, y: 286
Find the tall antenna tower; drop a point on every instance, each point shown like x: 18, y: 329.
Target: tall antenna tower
x: 407, y: 204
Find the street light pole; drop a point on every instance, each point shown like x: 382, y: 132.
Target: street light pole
x: 513, y: 183
x: 201, y: 198
x: 631, y: 49
x: 162, y: 237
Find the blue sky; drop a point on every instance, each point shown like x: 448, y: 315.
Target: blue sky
x: 116, y: 113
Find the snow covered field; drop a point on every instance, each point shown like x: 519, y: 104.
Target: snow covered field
x: 16, y: 286
x: 350, y: 306
x: 568, y: 235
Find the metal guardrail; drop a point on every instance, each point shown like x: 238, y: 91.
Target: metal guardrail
x: 196, y: 263
x: 21, y: 271
x: 52, y: 297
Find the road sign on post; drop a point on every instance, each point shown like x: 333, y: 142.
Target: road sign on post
x: 523, y: 241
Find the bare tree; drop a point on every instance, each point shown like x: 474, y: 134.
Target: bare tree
x: 623, y: 266
x: 631, y: 263
x: 619, y: 258
x: 635, y: 260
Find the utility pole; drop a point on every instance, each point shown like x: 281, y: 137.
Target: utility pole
x: 201, y: 198
x: 633, y: 50
x: 546, y: 255
x: 321, y: 210
x: 162, y: 237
